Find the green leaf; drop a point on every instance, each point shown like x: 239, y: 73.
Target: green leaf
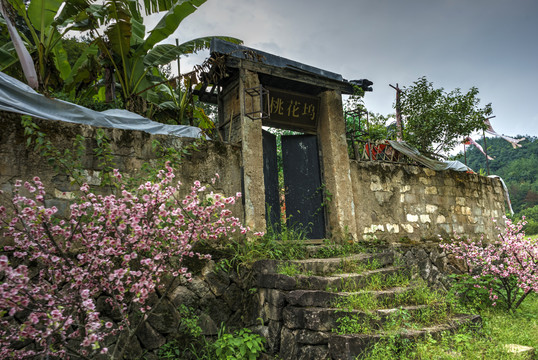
x: 170, y: 22
x: 60, y: 60
x: 163, y: 54
x: 119, y: 35
x: 70, y: 11
x: 42, y: 12
x: 137, y: 21
x: 79, y: 70
x: 153, y: 6
x: 7, y: 55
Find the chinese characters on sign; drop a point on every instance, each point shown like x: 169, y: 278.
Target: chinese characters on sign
x: 293, y: 110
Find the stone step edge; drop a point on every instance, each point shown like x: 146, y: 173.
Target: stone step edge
x: 350, y: 346
x: 322, y: 298
x: 270, y: 266
x: 326, y: 319
x: 287, y: 283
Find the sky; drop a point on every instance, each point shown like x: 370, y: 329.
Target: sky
x: 489, y: 44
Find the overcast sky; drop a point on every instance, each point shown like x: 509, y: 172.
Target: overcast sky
x: 490, y: 44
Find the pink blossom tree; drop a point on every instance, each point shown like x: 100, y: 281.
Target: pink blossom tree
x: 121, y: 248
x: 511, y: 262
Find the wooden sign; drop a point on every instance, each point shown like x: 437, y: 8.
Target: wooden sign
x: 292, y: 110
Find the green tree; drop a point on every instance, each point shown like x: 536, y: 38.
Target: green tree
x: 435, y: 120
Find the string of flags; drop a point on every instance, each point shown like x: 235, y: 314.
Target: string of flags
x: 469, y: 141
x: 514, y: 142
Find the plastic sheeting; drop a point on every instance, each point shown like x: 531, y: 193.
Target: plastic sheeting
x: 18, y: 97
x: 433, y: 164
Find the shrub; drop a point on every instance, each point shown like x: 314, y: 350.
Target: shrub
x: 510, y: 262
x: 118, y: 249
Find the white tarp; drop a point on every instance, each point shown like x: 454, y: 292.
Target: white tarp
x: 18, y: 97
x: 433, y: 164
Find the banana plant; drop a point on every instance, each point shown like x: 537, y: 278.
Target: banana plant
x: 47, y: 22
x: 133, y: 57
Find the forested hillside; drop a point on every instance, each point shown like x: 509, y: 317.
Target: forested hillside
x: 518, y: 168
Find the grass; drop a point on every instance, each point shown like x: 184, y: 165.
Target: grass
x: 532, y: 237
x: 436, y: 311
x: 350, y: 266
x: 382, y: 281
x: 499, y: 328
x: 417, y: 294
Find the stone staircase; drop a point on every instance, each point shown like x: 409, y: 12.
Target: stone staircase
x: 338, y: 308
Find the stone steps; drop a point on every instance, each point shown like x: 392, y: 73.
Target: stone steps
x: 337, y: 282
x: 306, y: 315
x: 326, y: 319
x: 320, y: 298
x: 349, y: 347
x: 324, y: 266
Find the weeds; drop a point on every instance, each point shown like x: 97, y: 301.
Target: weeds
x: 288, y: 268
x: 353, y: 266
x: 363, y: 301
x: 498, y: 328
x: 362, y: 323
x: 242, y: 344
x: 380, y: 281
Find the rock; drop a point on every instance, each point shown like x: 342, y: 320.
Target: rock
x: 200, y: 288
x: 233, y: 297
x: 149, y: 337
x: 425, y: 267
x: 183, y: 296
x: 218, y: 281
x: 409, y: 258
x: 104, y: 308
x: 312, y: 337
x: 289, y: 348
x: 218, y: 310
x: 521, y: 351
x: 165, y: 318
x: 310, y: 352
x: 261, y: 330
x: 207, y: 325
x: 273, y: 339
x: 421, y: 254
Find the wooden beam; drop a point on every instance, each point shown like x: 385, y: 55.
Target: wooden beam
x: 291, y: 74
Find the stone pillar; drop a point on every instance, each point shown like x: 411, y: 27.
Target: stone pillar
x: 336, y: 166
x: 252, y: 153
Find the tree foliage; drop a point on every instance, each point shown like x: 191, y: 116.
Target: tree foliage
x: 435, y: 120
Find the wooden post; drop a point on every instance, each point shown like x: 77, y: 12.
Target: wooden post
x: 486, y: 150
x: 398, y: 113
x: 465, y: 152
x: 178, y: 64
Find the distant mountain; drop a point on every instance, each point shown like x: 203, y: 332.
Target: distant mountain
x: 518, y: 167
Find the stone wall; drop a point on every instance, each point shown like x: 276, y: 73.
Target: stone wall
x: 414, y: 205
x: 130, y: 150
x: 214, y: 296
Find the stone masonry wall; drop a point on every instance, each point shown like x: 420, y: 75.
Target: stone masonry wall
x: 414, y: 205
x: 130, y: 150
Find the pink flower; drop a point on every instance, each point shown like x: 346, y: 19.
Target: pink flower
x: 147, y: 224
